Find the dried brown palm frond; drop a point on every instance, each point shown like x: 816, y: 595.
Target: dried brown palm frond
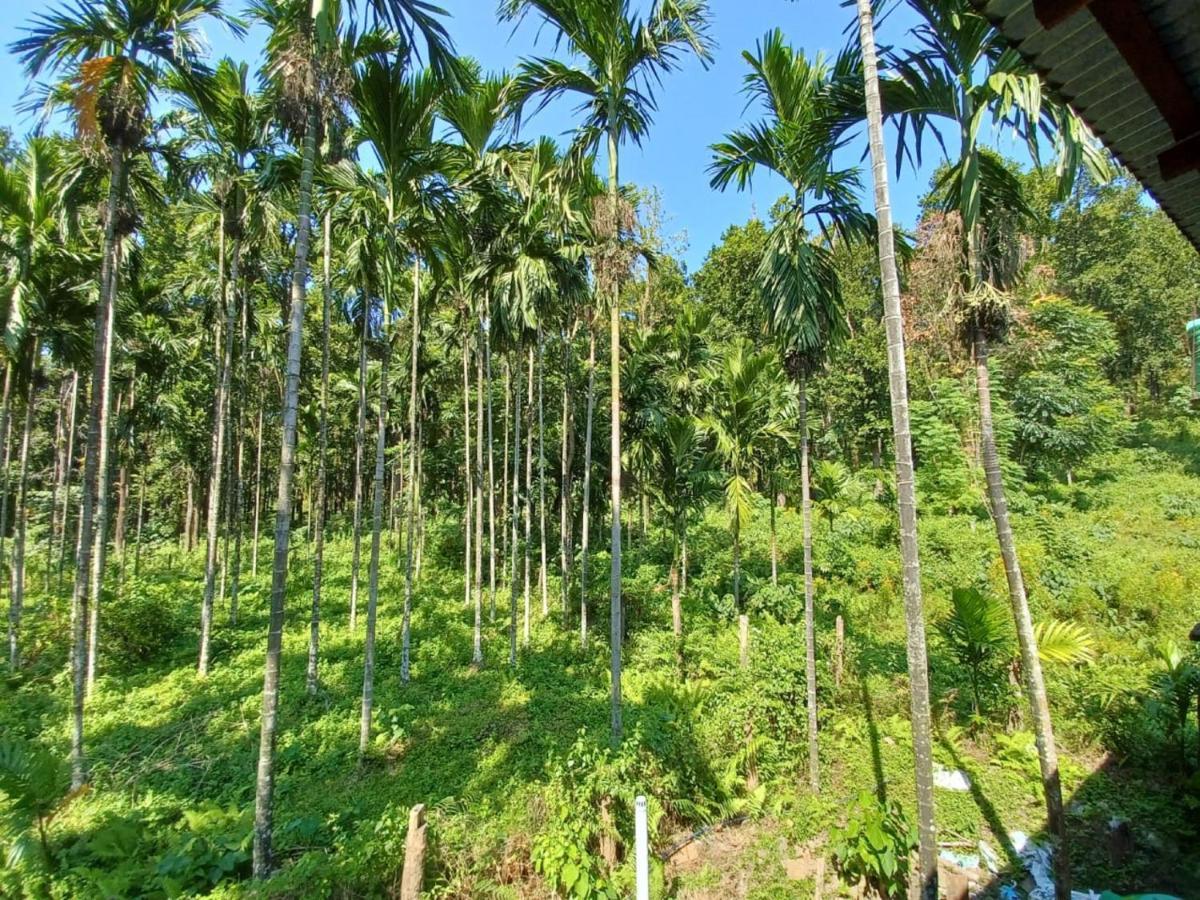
x: 613, y: 220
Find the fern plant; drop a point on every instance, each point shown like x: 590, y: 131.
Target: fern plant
x: 34, y: 780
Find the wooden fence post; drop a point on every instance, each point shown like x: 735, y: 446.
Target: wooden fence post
x: 413, y: 878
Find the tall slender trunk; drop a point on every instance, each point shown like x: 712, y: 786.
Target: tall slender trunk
x: 411, y: 512
x: 585, y: 526
x: 5, y: 456
x: 238, y: 488
x: 314, y: 625
x: 377, y: 512
x: 359, y: 439
x: 914, y: 613
x: 468, y: 481
x: 564, y: 521
x: 141, y: 517
x: 103, y: 477
x: 16, y: 597
x: 477, y: 650
x: 513, y: 518
x: 541, y: 416
x: 264, y: 793
x: 810, y: 636
x: 97, y: 423
x: 504, y: 471
x: 55, y: 480
x: 65, y: 477
x: 1031, y: 666
x: 224, y: 346
x: 743, y: 616
x: 257, y: 492
x: 616, y: 623
x: 491, y: 455
x: 188, y: 503
x: 528, y: 504
x: 774, y: 536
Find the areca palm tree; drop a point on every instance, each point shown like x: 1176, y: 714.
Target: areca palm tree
x: 109, y: 58
x: 742, y: 419
x: 797, y: 276
x: 617, y: 58
x: 304, y: 82
x: 961, y: 74
x: 914, y: 612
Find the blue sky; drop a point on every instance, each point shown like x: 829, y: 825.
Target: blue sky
x: 696, y: 106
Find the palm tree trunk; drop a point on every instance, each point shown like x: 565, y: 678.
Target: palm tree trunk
x: 141, y: 516
x: 810, y: 636
x: 585, y: 526
x: 224, y: 343
x: 16, y: 597
x: 616, y: 623
x: 314, y: 626
x: 564, y: 510
x: 468, y: 481
x: 257, y: 492
x: 477, y: 651
x: 264, y: 793
x: 774, y: 538
x: 359, y: 439
x: 504, y: 472
x: 64, y: 476
x: 103, y: 477
x: 914, y: 613
x: 238, y: 488
x: 55, y: 480
x: 516, y: 494
x: 1031, y: 666
x: 743, y: 617
x: 377, y: 512
x: 528, y: 504
x: 541, y: 415
x: 411, y: 512
x: 6, y: 458
x: 97, y: 423
x: 491, y: 455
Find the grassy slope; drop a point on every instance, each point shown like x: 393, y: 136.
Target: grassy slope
x: 1122, y: 556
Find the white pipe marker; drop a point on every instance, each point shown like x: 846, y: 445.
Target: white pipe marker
x: 641, y: 849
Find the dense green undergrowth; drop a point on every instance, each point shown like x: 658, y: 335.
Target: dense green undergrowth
x: 514, y: 764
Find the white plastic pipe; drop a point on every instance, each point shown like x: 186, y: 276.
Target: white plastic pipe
x: 641, y: 849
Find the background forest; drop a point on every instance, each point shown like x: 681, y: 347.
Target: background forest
x: 336, y: 355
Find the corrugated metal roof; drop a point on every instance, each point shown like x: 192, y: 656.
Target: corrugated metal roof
x: 1083, y: 67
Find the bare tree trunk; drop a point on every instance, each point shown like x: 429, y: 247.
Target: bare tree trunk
x: 585, y: 526
x: 189, y: 503
x: 491, y: 455
x: 103, y: 477
x: 55, y: 480
x: 1031, y: 666
x: 97, y: 423
x: 477, y: 652
x: 264, y: 793
x: 810, y: 634
x: 224, y: 365
x: 5, y: 457
x: 468, y: 485
x: 914, y: 613
x: 257, y: 492
x: 541, y: 415
x: 504, y: 471
x: 16, y: 597
x: 359, y: 440
x: 743, y: 617
x: 141, y: 515
x: 411, y: 512
x: 616, y: 616
x: 516, y: 493
x: 565, y: 520
x: 238, y: 487
x: 774, y: 537
x: 64, y: 476
x: 314, y: 625
x: 528, y: 504
x: 377, y: 512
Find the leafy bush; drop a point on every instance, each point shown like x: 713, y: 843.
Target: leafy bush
x: 874, y: 845
x: 143, y: 623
